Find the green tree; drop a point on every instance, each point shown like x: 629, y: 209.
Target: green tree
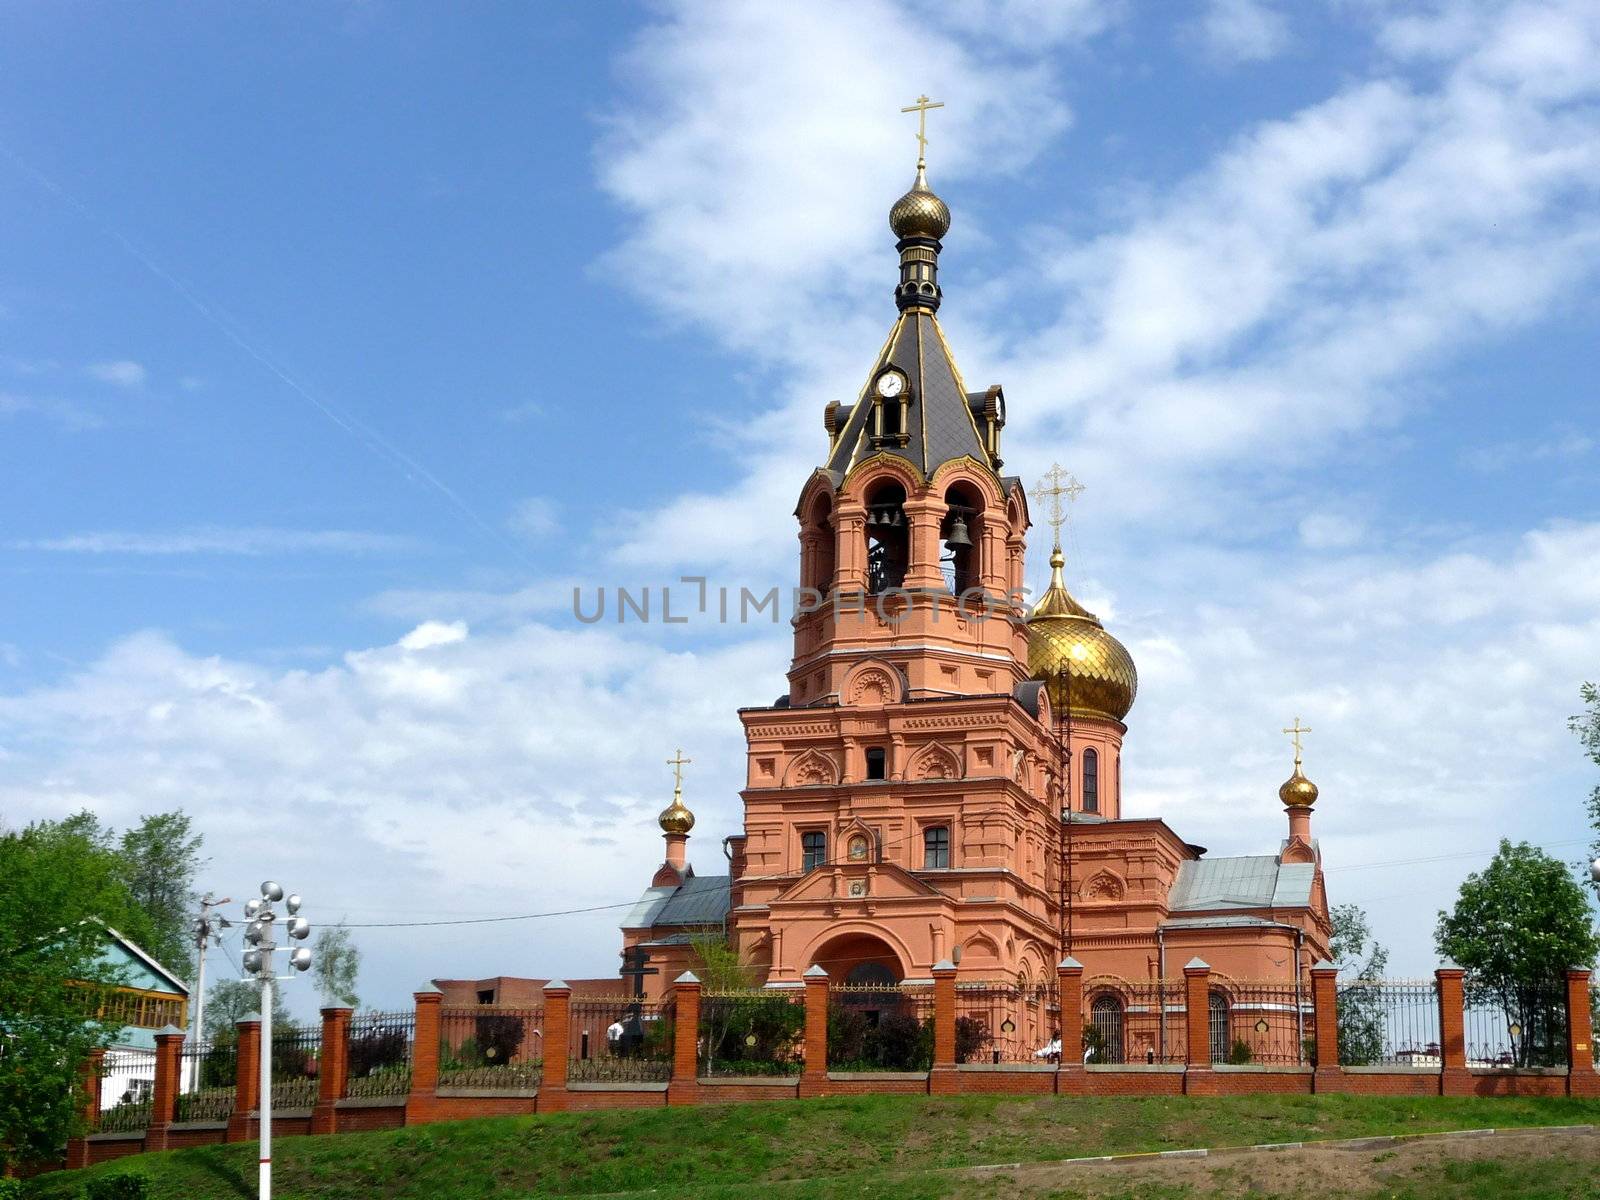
x: 231, y: 1000
x: 1517, y: 926
x: 1361, y: 962
x: 336, y: 962
x: 61, y: 881
x: 160, y: 857
x: 1587, y: 726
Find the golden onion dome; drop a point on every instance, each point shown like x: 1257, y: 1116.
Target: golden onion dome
x: 1100, y: 678
x: 1298, y: 791
x: 919, y: 213
x: 676, y: 817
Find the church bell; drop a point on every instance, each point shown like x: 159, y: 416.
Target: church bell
x: 958, y: 534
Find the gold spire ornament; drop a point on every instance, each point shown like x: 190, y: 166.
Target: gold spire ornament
x: 919, y: 213
x: 1297, y: 791
x: 676, y: 817
x: 1085, y: 668
x: 921, y: 108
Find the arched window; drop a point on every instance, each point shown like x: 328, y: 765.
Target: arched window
x: 818, y: 547
x: 1105, y: 1016
x: 1091, y: 780
x: 961, y: 532
x: 1217, y: 1023
x: 813, y: 849
x: 935, y: 847
x: 888, y: 537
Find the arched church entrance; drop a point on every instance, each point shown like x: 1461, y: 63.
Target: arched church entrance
x: 866, y: 975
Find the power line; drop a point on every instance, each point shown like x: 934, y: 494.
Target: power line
x: 594, y: 908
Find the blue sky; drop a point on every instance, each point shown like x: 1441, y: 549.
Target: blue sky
x: 338, y: 343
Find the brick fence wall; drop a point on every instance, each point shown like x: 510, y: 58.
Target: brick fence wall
x: 337, y: 1112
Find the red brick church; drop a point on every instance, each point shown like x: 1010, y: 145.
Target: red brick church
x: 942, y: 779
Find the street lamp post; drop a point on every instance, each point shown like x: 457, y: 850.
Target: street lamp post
x: 258, y: 962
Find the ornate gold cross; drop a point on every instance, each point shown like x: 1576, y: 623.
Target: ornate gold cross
x: 921, y: 108
x: 1295, y: 731
x: 1056, y: 484
x: 677, y: 765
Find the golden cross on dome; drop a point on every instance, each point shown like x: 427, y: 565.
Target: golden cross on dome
x: 1056, y: 484
x: 677, y: 764
x: 1295, y: 731
x: 921, y: 108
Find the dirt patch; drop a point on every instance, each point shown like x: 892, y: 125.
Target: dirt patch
x: 1416, y: 1168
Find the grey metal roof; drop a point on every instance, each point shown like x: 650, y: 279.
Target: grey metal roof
x: 1247, y: 881
x: 941, y: 425
x: 701, y: 900
x: 643, y: 913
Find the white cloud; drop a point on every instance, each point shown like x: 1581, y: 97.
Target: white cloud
x: 1329, y: 530
x: 1241, y: 31
x: 218, y: 540
x: 123, y: 373
x: 513, y: 771
x: 434, y: 633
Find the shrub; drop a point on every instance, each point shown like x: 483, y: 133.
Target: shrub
x: 1240, y: 1053
x: 1094, y: 1044
x: 124, y: 1186
x: 971, y: 1036
x: 375, y: 1051
x: 10, y: 1189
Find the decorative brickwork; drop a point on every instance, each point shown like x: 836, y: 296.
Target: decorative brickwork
x: 1582, y: 1080
x: 333, y: 1068
x: 1325, y: 1003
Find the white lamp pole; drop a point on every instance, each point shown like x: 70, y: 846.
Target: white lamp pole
x: 258, y: 962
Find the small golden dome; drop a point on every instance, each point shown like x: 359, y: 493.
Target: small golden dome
x: 919, y: 213
x: 1298, y: 791
x: 676, y: 817
x: 1100, y: 674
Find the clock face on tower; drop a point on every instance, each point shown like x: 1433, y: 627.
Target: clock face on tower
x: 891, y: 384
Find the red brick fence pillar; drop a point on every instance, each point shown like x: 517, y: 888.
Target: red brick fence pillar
x: 557, y: 1037
x: 1454, y: 1078
x: 333, y: 1067
x: 1198, y: 1078
x: 1581, y: 1077
x: 685, y: 1086
x: 78, y: 1147
x: 1071, y: 1079
x: 246, y: 1078
x: 814, y: 1078
x: 420, y: 1101
x: 943, y: 1079
x: 1325, y: 1027
x: 164, y: 1106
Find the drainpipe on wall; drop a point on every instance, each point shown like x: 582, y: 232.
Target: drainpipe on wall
x: 1299, y: 1008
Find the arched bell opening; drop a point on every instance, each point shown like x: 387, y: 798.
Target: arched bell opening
x: 961, y: 533
x: 819, y: 551
x: 888, y: 536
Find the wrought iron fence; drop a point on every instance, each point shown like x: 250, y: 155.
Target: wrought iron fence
x: 998, y: 1023
x: 1518, y: 1028
x: 490, y: 1047
x: 752, y: 1032
x: 1389, y: 1022
x: 296, y: 1059
x: 208, y: 1075
x: 620, y: 1038
x: 1267, y: 1021
x: 1125, y: 1021
x: 880, y: 1027
x: 378, y: 1048
x: 127, y: 1087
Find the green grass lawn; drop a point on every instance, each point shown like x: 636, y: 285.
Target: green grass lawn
x: 862, y: 1146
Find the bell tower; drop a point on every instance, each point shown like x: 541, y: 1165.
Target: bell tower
x: 896, y: 807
